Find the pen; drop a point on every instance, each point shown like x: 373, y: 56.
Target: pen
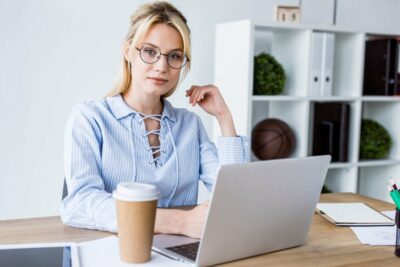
x: 395, y: 195
x: 393, y: 184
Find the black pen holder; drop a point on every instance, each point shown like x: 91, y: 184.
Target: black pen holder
x: 397, y: 221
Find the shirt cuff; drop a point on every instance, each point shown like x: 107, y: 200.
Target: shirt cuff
x: 106, y: 216
x: 233, y: 150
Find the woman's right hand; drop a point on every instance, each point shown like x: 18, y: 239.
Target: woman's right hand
x: 194, y: 220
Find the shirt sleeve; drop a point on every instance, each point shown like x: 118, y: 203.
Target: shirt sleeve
x: 87, y: 205
x: 230, y: 150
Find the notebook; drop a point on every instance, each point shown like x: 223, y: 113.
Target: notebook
x: 352, y: 214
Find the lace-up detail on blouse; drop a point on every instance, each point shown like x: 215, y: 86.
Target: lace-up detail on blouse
x: 155, y: 149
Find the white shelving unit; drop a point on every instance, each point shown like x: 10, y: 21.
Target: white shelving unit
x: 236, y: 45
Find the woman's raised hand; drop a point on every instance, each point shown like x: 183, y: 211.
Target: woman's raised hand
x: 208, y: 98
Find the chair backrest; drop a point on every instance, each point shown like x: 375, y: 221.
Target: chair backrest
x: 65, y: 190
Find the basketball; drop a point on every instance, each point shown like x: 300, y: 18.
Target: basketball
x: 272, y: 139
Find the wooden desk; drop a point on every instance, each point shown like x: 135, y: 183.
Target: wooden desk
x: 327, y: 244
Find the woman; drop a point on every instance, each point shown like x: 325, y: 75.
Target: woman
x: 135, y: 134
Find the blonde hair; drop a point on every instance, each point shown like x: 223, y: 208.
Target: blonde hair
x: 141, y: 21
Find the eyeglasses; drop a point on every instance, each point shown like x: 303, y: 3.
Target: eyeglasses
x: 151, y: 54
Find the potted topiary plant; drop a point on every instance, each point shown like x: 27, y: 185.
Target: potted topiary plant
x: 325, y: 190
x: 269, y: 75
x: 375, y: 141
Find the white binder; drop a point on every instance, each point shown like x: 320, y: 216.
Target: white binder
x: 314, y: 83
x: 328, y: 49
x: 321, y: 67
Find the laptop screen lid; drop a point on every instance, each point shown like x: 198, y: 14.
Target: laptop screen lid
x: 261, y: 207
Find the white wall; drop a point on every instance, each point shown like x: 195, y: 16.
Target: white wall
x: 54, y: 54
x: 369, y: 15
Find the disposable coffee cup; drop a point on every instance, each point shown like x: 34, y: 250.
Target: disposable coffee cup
x: 136, y: 211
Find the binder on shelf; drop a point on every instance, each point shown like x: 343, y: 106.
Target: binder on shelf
x: 315, y: 63
x: 321, y: 64
x: 331, y: 130
x: 381, y: 67
x: 328, y: 49
x: 344, y: 133
x: 327, y: 128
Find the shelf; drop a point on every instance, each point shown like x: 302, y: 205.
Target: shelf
x: 295, y: 114
x: 381, y: 98
x: 362, y: 163
x: 373, y: 180
x: 284, y: 45
x: 334, y: 99
x: 348, y: 64
x: 292, y: 46
x: 382, y: 162
x: 342, y: 179
x: 304, y: 98
x: 278, y: 98
x: 386, y: 114
x: 326, y: 99
x: 297, y: 26
x: 259, y: 25
x: 341, y: 165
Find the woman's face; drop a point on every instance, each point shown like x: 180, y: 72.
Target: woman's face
x: 158, y: 78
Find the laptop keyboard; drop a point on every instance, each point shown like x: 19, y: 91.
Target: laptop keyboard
x: 187, y: 250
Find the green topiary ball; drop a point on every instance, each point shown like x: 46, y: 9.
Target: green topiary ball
x: 375, y: 140
x: 269, y: 76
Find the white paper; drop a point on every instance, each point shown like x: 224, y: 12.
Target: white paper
x: 377, y: 235
x: 352, y: 213
x: 104, y: 252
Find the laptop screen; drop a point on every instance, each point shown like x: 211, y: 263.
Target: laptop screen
x: 36, y: 257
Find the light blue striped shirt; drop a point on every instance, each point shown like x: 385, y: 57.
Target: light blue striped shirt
x: 106, y: 143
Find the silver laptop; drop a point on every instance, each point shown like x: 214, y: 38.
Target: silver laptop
x: 255, y: 208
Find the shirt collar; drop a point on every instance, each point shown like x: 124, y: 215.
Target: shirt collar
x: 120, y: 109
x: 168, y: 111
x: 118, y: 106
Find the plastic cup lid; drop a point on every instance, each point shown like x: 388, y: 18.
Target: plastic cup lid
x: 130, y: 191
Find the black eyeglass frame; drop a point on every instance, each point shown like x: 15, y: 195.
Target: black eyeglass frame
x: 158, y: 57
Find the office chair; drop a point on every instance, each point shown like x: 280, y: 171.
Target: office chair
x: 65, y: 190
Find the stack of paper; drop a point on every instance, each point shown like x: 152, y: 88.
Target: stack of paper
x: 377, y: 235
